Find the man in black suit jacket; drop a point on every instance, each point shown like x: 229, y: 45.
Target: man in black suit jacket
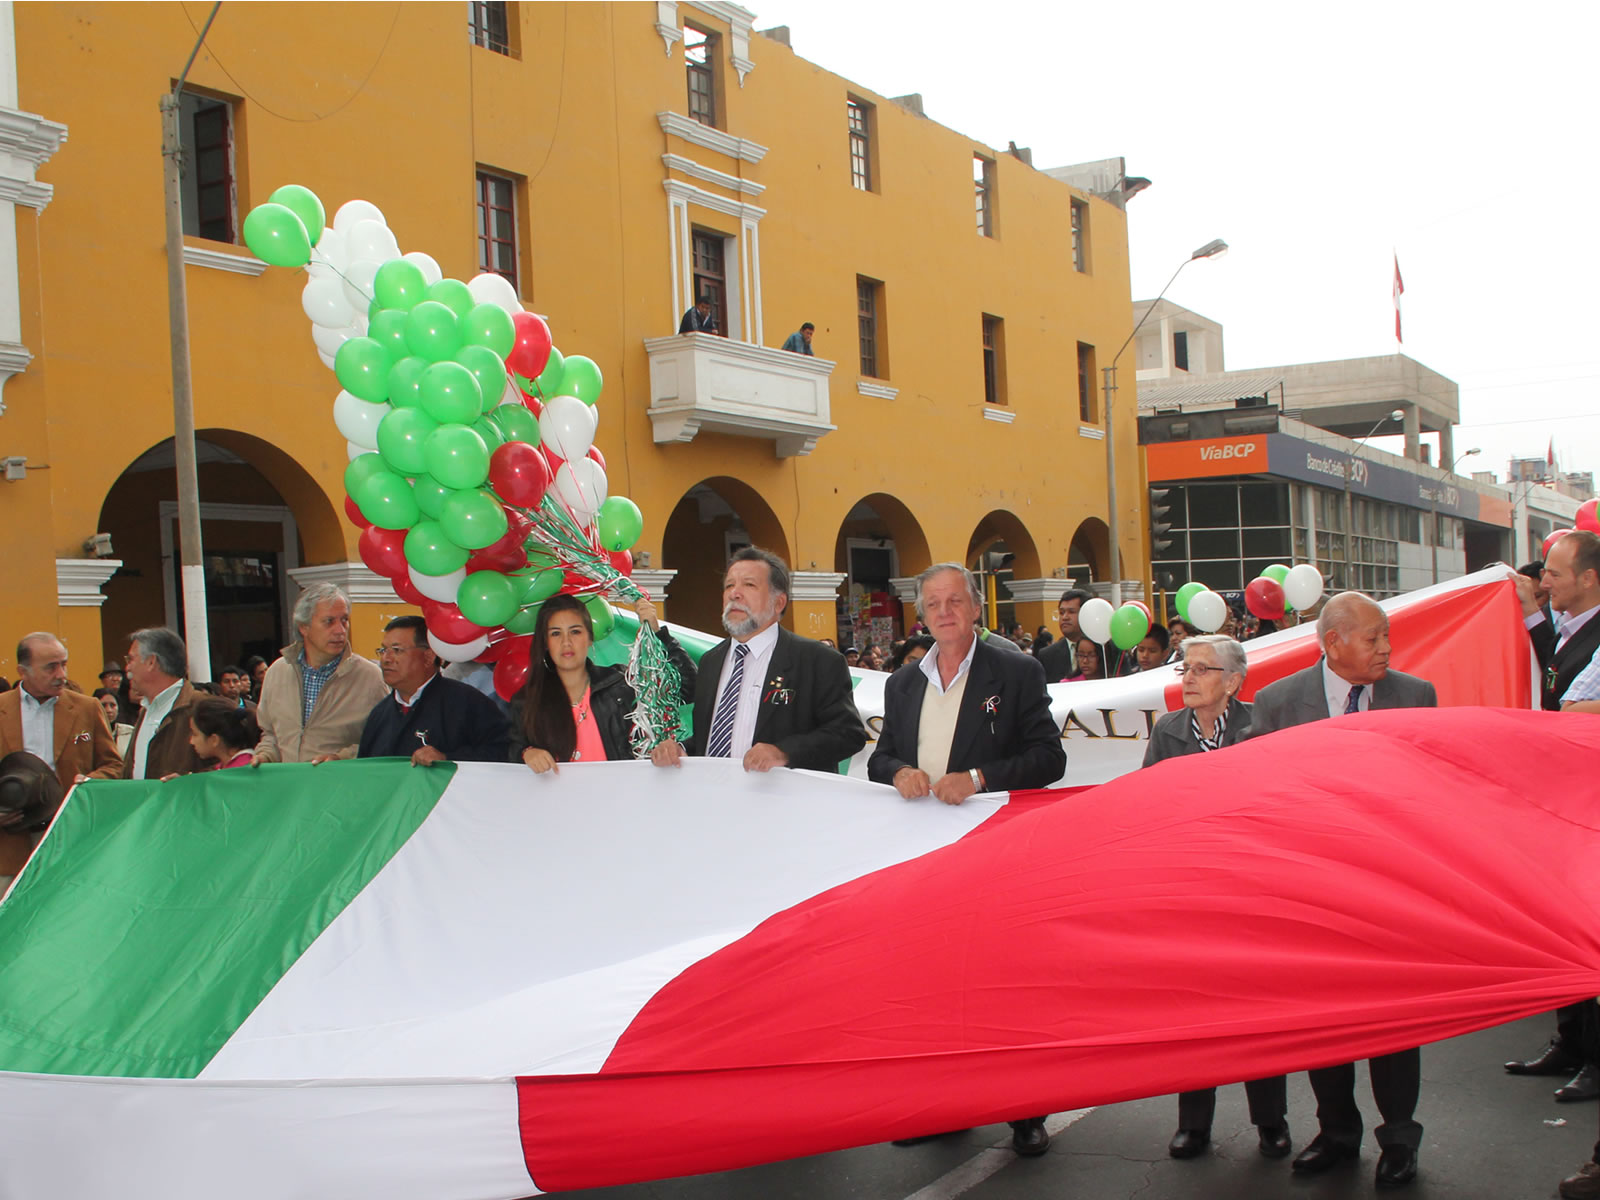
x: 764, y: 695
x: 1060, y: 657
x: 1353, y: 676
x: 968, y: 718
x: 428, y: 718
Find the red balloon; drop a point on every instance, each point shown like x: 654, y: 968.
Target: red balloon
x: 447, y: 624
x: 353, y: 511
x: 551, y: 458
x: 594, y: 453
x: 1555, y: 536
x: 1264, y: 597
x: 407, y: 591
x: 1149, y: 616
x: 384, y: 550
x: 1587, y: 519
x: 621, y: 561
x: 576, y: 582
x: 501, y: 643
x: 532, y: 350
x: 519, y: 475
x: 511, y: 672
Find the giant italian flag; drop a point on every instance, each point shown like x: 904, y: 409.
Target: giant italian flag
x: 461, y: 982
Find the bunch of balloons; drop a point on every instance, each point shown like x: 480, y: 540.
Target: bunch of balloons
x: 1272, y: 595
x: 473, y: 472
x: 1587, y: 520
x: 1124, y: 627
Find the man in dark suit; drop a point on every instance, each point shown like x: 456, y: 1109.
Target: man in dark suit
x: 1060, y: 657
x: 968, y: 718
x: 764, y: 695
x: 428, y: 718
x: 1353, y: 676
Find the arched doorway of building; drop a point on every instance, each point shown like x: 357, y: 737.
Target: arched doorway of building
x: 1001, y: 549
x: 261, y: 516
x: 1087, y: 558
x: 714, y: 518
x: 879, y: 541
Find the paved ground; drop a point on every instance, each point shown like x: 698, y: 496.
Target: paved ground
x: 1488, y: 1137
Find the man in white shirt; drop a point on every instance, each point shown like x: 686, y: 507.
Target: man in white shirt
x: 157, y: 663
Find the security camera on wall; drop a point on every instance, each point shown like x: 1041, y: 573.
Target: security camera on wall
x: 98, y: 545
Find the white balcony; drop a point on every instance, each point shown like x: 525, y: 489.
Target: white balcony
x: 700, y: 382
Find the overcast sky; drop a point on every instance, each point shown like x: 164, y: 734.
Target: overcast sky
x: 1318, y: 142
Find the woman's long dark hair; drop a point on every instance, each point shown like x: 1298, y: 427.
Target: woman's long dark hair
x: 546, y: 711
x: 226, y: 720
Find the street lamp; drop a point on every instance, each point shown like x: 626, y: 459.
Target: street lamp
x: 1212, y: 249
x: 1449, y: 471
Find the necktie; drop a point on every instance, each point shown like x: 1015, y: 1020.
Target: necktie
x: 720, y: 743
x: 1354, y: 703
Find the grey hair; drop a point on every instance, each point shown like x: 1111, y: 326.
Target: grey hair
x: 25, y: 646
x: 973, y: 589
x: 1230, y: 654
x: 1335, y: 616
x: 314, y: 596
x: 165, y: 646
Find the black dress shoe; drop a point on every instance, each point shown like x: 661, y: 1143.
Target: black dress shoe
x: 1189, y: 1143
x: 1585, y: 1085
x: 1554, y: 1059
x: 1322, y: 1153
x: 1275, y: 1141
x: 1397, y: 1167
x: 1029, y: 1138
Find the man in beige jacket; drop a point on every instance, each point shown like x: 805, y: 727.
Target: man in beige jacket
x: 316, y: 697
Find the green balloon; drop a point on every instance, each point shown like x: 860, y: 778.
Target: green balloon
x: 303, y: 202
x: 619, y: 523
x: 275, y: 235
x: 600, y: 613
x: 456, y: 456
x: 490, y: 326
x: 491, y: 434
x: 1128, y: 627
x: 454, y: 295
x: 489, y: 369
x: 404, y: 377
x: 1185, y: 594
x: 431, y: 552
x: 362, y: 468
x: 1277, y: 572
x: 549, y: 381
x: 430, y: 494
x: 450, y: 394
x: 386, y: 500
x: 524, y: 621
x: 537, y: 583
x: 580, y: 377
x: 432, y: 331
x: 487, y: 598
x: 362, y: 366
x: 403, y: 438
x: 388, y: 329
x: 516, y: 423
x: 473, y: 519
x: 399, y: 285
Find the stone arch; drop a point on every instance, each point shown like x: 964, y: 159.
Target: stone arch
x: 879, y: 538
x: 1002, y: 548
x: 1088, y: 557
x: 716, y: 515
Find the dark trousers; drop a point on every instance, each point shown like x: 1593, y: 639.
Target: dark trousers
x: 1396, y: 1081
x: 1269, y: 1105
x: 1578, y: 1030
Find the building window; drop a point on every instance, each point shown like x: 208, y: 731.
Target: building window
x: 1080, y: 235
x: 1180, y: 350
x: 1086, y: 413
x: 983, y: 189
x: 209, y: 188
x: 994, y: 365
x: 860, y: 114
x: 497, y: 226
x: 869, y: 326
x: 711, y: 275
x: 700, y: 53
x: 489, y: 22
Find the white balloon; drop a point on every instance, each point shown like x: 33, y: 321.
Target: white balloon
x: 352, y: 212
x: 358, y: 277
x: 327, y: 256
x: 1094, y: 618
x: 430, y: 269
x: 442, y: 588
x: 329, y: 340
x: 490, y: 288
x: 370, y: 239
x: 358, y: 327
x: 511, y: 395
x: 1207, y: 612
x: 354, y: 451
x: 567, y: 426
x: 325, y: 358
x: 455, y: 652
x: 1302, y: 587
x: 323, y: 301
x: 581, y: 485
x: 358, y: 419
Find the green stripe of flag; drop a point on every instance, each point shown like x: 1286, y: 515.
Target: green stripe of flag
x: 156, y: 916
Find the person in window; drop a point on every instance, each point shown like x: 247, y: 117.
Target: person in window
x: 699, y: 319
x: 571, y: 710
x: 799, y: 342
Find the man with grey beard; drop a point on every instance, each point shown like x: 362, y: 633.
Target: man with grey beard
x: 765, y: 696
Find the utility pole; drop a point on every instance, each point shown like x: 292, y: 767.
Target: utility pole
x: 196, y: 629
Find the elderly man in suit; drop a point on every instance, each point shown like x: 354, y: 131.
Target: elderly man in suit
x: 64, y: 729
x: 764, y: 695
x: 1353, y: 676
x: 158, y: 663
x: 969, y: 718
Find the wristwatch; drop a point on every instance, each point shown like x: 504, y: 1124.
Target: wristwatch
x: 977, y: 779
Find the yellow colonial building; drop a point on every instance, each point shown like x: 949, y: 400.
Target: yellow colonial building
x: 615, y: 162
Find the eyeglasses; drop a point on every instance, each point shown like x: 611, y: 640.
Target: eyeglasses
x: 383, y: 650
x: 1195, y: 669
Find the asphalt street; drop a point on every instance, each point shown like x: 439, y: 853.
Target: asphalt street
x: 1488, y: 1136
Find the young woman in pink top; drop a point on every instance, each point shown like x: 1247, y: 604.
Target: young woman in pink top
x: 222, y: 733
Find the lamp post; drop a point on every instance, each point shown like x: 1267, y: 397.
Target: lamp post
x: 1211, y: 249
x: 1449, y: 471
x: 1395, y: 414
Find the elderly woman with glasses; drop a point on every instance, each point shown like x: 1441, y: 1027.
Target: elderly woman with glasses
x: 1213, y: 669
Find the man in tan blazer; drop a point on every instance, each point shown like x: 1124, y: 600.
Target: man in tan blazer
x: 65, y: 729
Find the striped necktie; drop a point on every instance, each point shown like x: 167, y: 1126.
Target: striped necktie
x: 1353, y: 704
x: 720, y: 743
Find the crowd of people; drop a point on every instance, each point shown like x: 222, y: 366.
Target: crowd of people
x: 966, y: 711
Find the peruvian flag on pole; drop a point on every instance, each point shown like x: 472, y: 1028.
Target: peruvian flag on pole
x: 1399, y: 290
